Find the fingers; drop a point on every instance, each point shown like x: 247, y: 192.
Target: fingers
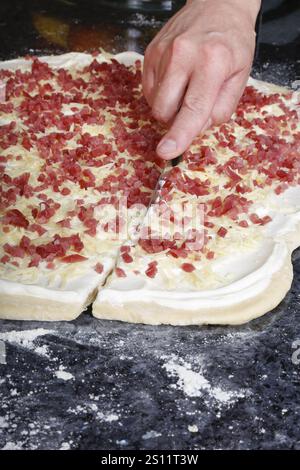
x: 148, y: 75
x: 196, y: 109
x: 228, y: 97
x: 173, y: 80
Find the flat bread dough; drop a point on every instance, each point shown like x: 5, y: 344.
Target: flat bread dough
x: 256, y: 289
x: 62, y: 294
x: 261, y: 274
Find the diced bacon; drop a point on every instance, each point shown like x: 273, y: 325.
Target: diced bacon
x: 151, y: 271
x: 125, y: 249
x: 50, y: 265
x: 255, y: 219
x: 243, y: 223
x: 73, y: 258
x: 188, y: 267
x: 120, y: 272
x: 222, y: 232
x: 37, y: 228
x: 126, y: 258
x: 16, y: 218
x: 266, y: 219
x: 15, y: 251
x: 69, y: 158
x: 35, y: 261
x: 65, y: 191
x: 66, y: 223
x: 99, y: 268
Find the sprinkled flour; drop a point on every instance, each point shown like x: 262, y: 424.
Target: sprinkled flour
x: 12, y: 446
x: 26, y: 339
x: 194, y: 384
x: 3, y: 422
x: 62, y: 374
x: 107, y: 417
x: 151, y: 435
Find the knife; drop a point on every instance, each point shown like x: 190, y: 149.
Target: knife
x: 160, y: 182
x: 162, y: 179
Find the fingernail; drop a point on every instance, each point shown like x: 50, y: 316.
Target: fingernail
x: 167, y: 146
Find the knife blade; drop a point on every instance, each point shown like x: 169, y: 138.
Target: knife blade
x: 162, y: 178
x: 160, y: 182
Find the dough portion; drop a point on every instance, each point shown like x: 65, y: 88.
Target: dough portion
x: 235, y: 278
x: 83, y: 205
x: 245, y: 269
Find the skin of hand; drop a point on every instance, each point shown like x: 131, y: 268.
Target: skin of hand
x: 196, y: 68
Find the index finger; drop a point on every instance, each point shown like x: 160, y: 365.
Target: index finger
x: 197, y: 105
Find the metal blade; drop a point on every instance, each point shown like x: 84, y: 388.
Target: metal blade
x: 159, y: 185
x: 161, y: 180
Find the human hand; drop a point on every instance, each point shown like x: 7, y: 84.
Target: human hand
x: 196, y: 68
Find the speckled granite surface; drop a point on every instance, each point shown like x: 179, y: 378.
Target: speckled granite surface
x: 94, y: 384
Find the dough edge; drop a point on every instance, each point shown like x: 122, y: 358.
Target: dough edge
x: 152, y: 313
x: 40, y: 309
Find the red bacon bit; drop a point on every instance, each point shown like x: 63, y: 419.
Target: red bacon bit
x: 235, y: 178
x: 99, y: 268
x: 26, y: 143
x: 210, y: 255
x: 37, y: 228
x: 14, y: 251
x: 73, y: 259
x: 50, y: 265
x: 232, y: 205
x: 45, y: 211
x: 151, y: 271
x: 5, y: 259
x: 268, y: 152
x: 85, y: 214
x: 25, y: 243
x: 178, y: 253
x: 260, y: 220
x: 126, y: 258
x: 65, y: 191
x: 254, y: 218
x: 120, y: 272
x: 16, y: 218
x: 222, y: 232
x: 66, y: 223
x: 125, y: 249
x: 266, y: 219
x: 35, y: 261
x: 199, y: 161
x: 59, y: 246
x: 188, y: 267
x: 243, y: 223
x: 156, y: 245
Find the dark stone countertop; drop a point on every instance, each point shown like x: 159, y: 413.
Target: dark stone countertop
x: 92, y: 384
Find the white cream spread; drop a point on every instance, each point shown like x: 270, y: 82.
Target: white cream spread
x: 78, y: 287
x: 251, y: 272
x: 245, y: 273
